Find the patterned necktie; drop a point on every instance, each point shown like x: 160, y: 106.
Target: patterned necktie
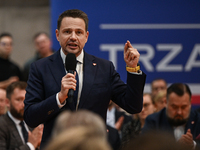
x: 24, y: 131
x: 76, y: 91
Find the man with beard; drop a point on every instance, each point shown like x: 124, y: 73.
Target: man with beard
x: 177, y: 118
x: 14, y: 133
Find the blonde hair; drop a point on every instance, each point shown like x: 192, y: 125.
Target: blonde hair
x: 159, y: 96
x: 78, y: 138
x: 68, y: 119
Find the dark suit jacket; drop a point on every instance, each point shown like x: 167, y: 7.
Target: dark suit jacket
x: 9, y: 135
x: 158, y: 121
x: 100, y: 84
x: 113, y: 137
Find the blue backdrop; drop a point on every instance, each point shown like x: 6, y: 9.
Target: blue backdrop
x: 166, y: 33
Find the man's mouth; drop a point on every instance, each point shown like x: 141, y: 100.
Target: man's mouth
x: 178, y: 117
x: 72, y: 45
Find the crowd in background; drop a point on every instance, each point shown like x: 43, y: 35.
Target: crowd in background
x: 83, y: 130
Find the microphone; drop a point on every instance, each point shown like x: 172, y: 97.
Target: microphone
x: 70, y: 66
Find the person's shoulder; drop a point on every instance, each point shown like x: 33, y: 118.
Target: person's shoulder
x: 4, y: 120
x: 30, y: 61
x: 46, y: 59
x: 14, y: 64
x: 92, y: 57
x: 195, y: 115
x: 156, y: 115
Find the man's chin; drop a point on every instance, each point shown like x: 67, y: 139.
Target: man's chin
x: 177, y: 122
x: 74, y: 51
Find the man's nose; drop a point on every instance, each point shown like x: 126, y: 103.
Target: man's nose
x: 179, y: 111
x: 22, y: 104
x: 73, y: 36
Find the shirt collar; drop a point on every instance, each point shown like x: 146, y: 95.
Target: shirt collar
x: 79, y: 58
x: 15, y: 120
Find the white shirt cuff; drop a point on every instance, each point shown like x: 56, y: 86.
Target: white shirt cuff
x: 195, y: 144
x: 30, y: 146
x: 58, y: 102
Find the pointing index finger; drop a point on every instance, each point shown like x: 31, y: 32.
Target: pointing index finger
x: 127, y: 45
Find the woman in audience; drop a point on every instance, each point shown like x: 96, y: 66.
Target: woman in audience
x: 159, y: 100
x: 133, y: 128
x: 78, y: 138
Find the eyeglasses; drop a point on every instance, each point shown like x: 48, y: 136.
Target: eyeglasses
x: 5, y: 44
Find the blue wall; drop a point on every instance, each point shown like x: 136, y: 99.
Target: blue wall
x: 166, y: 33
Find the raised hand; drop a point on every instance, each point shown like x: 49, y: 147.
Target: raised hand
x: 131, y: 55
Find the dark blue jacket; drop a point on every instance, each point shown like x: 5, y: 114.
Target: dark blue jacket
x: 158, y: 121
x: 101, y: 83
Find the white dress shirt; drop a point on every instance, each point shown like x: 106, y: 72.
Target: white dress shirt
x: 79, y: 69
x: 110, y: 119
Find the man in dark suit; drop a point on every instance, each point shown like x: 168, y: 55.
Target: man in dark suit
x: 48, y: 83
x: 113, y: 137
x: 13, y: 131
x: 177, y: 118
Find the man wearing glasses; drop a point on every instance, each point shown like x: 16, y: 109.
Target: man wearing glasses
x: 10, y: 72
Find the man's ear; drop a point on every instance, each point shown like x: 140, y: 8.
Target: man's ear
x: 57, y: 34
x: 7, y: 102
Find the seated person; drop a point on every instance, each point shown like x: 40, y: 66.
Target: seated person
x: 159, y: 100
x: 177, y: 118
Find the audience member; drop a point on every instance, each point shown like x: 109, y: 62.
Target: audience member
x: 68, y: 119
x: 115, y: 118
x: 3, y: 104
x: 198, y: 110
x: 14, y: 133
x: 43, y: 48
x: 158, y: 85
x: 78, y: 138
x: 10, y: 72
x: 148, y: 108
x: 155, y: 141
x: 177, y: 118
x: 98, y: 81
x: 159, y: 100
x: 113, y: 137
x: 133, y: 128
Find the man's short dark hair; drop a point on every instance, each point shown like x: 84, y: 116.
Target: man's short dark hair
x: 40, y: 33
x: 18, y: 84
x: 158, y: 79
x: 179, y: 88
x: 74, y: 13
x: 5, y: 34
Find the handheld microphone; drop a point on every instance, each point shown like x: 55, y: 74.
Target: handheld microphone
x: 70, y: 66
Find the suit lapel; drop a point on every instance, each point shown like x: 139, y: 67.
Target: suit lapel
x: 58, y: 71
x: 191, y: 123
x: 164, y: 124
x: 57, y: 67
x: 89, y: 71
x: 13, y: 130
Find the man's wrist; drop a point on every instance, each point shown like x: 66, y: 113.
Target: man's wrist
x: 30, y: 145
x: 130, y: 69
x: 58, y: 101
